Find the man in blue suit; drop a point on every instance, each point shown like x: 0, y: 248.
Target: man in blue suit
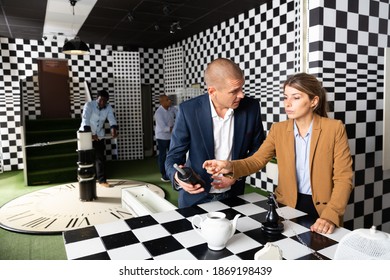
x: 221, y: 124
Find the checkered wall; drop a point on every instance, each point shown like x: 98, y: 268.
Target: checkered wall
x: 10, y: 136
x: 173, y: 69
x: 346, y: 45
x: 152, y: 72
x: 127, y: 86
x: 18, y: 76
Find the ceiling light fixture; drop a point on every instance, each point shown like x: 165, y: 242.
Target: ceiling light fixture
x: 75, y: 46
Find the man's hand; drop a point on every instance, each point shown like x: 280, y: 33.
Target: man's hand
x: 192, y: 189
x: 222, y: 182
x: 114, y: 133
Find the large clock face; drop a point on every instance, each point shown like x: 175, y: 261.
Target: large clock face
x: 57, y: 209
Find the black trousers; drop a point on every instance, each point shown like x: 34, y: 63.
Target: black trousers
x: 163, y: 147
x: 100, y: 159
x: 305, y: 204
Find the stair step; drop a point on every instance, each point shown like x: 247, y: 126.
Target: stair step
x: 49, y: 162
x: 54, y: 158
x: 43, y: 136
x: 60, y: 175
x: 52, y: 124
x: 65, y: 148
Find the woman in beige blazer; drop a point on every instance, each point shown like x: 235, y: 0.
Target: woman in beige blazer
x: 314, y: 160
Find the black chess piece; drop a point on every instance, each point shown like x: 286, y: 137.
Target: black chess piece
x: 272, y: 225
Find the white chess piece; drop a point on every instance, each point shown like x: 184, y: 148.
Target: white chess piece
x: 269, y: 252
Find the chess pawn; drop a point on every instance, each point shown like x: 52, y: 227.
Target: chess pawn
x: 272, y: 216
x: 272, y: 225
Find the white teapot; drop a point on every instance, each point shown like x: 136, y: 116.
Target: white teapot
x: 215, y: 229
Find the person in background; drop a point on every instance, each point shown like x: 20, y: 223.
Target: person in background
x: 314, y: 159
x: 220, y: 124
x: 95, y: 113
x: 165, y: 119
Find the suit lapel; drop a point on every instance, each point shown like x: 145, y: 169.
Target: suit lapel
x: 240, y: 119
x: 291, y: 140
x: 316, y: 131
x: 205, y: 125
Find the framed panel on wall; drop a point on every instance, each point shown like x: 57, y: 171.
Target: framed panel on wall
x: 54, y: 91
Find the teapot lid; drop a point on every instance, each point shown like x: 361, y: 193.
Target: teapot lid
x: 216, y: 215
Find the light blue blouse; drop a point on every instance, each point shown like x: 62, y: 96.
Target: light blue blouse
x: 302, y: 158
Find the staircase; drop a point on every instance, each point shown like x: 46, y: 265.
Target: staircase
x: 51, y: 151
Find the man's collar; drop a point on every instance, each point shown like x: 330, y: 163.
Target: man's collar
x: 214, y: 114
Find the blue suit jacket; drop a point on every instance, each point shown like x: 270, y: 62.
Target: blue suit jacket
x: 193, y: 133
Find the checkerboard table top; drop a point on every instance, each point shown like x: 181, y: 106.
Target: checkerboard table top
x: 170, y: 235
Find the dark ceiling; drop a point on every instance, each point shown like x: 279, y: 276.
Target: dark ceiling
x: 109, y: 24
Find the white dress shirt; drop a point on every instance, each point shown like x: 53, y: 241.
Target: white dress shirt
x: 223, y: 131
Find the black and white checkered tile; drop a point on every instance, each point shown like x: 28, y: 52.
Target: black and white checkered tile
x: 346, y: 41
x: 170, y: 235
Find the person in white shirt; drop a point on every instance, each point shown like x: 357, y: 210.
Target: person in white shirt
x: 222, y: 123
x: 165, y: 119
x: 95, y: 114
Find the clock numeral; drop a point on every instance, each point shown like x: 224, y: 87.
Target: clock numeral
x: 41, y: 221
x: 74, y: 222
x: 67, y: 187
x: 121, y: 214
x: 40, y: 194
x: 70, y: 186
x: 20, y: 215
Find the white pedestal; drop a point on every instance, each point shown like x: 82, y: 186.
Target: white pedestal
x: 143, y: 201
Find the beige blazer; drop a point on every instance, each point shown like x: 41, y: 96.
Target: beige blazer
x: 330, y: 165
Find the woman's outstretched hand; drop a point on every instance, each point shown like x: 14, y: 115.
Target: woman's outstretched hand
x: 216, y: 167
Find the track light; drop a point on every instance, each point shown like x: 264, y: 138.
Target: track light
x: 75, y: 46
x: 174, y: 27
x: 166, y: 10
x: 130, y: 17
